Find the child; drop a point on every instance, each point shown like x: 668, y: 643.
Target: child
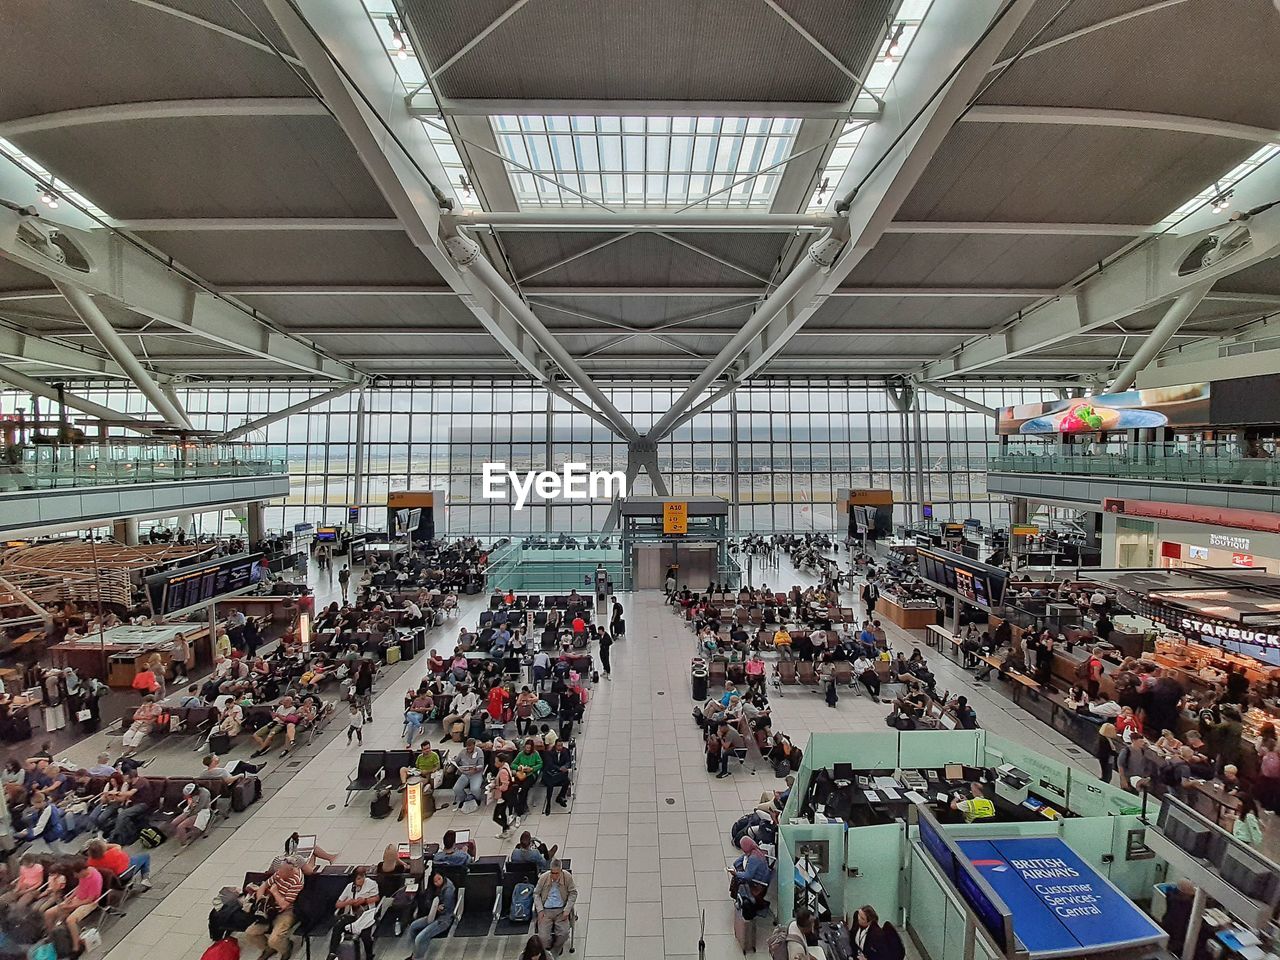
x: 355, y: 722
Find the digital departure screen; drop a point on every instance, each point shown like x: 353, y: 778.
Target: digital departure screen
x: 196, y: 585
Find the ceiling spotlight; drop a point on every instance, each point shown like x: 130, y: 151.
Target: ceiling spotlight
x: 823, y: 188
x: 895, y: 41
x: 53, y: 204
x: 466, y: 186
x: 397, y: 38
x: 46, y: 196
x: 1222, y: 201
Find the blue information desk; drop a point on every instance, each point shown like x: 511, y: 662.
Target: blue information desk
x: 1061, y: 906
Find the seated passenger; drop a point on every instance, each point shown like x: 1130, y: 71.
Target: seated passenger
x: 450, y: 853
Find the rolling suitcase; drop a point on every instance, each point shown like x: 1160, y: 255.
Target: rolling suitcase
x: 219, y: 743
x: 744, y: 931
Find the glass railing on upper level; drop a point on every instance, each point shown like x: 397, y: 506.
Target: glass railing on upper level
x: 61, y: 465
x: 1183, y: 466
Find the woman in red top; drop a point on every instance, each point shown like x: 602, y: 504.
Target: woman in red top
x: 1127, y: 724
x: 499, y: 696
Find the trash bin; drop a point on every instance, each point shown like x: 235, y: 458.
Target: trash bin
x: 699, y: 683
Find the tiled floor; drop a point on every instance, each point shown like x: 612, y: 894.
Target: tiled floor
x: 647, y: 831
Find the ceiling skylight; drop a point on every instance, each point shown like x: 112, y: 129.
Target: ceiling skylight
x: 893, y: 48
x: 1219, y: 193
x: 51, y: 191
x: 661, y: 162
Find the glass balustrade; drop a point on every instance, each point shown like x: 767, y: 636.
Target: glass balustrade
x: 62, y: 465
x: 1148, y: 463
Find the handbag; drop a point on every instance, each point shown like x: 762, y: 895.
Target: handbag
x: 83, y: 715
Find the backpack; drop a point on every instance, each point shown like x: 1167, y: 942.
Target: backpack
x: 44, y: 950
x: 778, y: 941
x: 522, y: 903
x: 541, y: 710
x: 1082, y: 669
x: 150, y: 837
x: 1270, y: 764
x: 380, y: 805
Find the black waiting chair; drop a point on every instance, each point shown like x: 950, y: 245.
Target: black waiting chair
x: 484, y: 883
x: 368, y: 773
x: 393, y: 762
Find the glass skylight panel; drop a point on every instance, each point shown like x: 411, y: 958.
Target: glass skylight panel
x: 563, y: 161
x: 1219, y: 190
x: 60, y: 187
x: 893, y: 49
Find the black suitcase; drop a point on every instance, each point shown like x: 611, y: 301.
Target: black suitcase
x: 380, y: 805
x: 619, y: 627
x: 219, y: 743
x: 245, y: 792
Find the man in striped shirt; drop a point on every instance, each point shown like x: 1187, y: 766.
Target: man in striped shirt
x: 281, y: 891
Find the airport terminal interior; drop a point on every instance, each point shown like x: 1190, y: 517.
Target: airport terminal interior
x: 633, y: 479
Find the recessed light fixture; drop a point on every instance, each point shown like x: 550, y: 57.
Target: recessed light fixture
x: 895, y: 41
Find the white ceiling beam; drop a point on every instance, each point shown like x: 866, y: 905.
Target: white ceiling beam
x: 218, y: 28
x: 985, y: 293
x: 479, y: 38
x: 338, y: 31
x: 544, y: 220
x: 930, y: 332
x: 650, y: 108
x: 1129, y: 119
x: 164, y: 110
x: 588, y: 221
x: 1144, y: 277
x: 346, y: 62
x: 1085, y: 31
x: 40, y: 388
x: 1021, y: 229
x: 951, y: 54
x: 120, y: 272
x: 43, y: 353
x: 229, y: 224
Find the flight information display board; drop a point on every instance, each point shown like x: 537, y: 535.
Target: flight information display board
x: 193, y: 586
x: 970, y: 580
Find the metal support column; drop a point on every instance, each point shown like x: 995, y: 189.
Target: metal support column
x: 302, y: 406
x: 255, y: 521
x: 357, y: 476
x: 917, y: 440
x: 39, y: 388
x: 735, y: 479
x: 1155, y: 341
x: 119, y: 351
x: 126, y: 531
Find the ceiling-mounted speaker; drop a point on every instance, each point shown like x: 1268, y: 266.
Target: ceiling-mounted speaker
x: 1211, y: 250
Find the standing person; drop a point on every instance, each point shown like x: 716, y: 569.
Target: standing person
x: 355, y: 722
x: 499, y: 789
x: 616, y: 626
x: 1247, y: 829
x: 1105, y: 751
x: 606, y: 642
x: 870, y: 594
x: 344, y: 581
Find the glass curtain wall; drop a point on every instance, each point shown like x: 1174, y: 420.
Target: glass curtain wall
x: 780, y: 452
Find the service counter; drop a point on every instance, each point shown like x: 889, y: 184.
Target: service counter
x: 127, y: 649
x: 908, y: 614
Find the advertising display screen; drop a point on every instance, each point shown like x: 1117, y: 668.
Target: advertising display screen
x: 196, y: 585
x: 1179, y: 406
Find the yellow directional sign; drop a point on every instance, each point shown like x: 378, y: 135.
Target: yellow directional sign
x: 675, y: 516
